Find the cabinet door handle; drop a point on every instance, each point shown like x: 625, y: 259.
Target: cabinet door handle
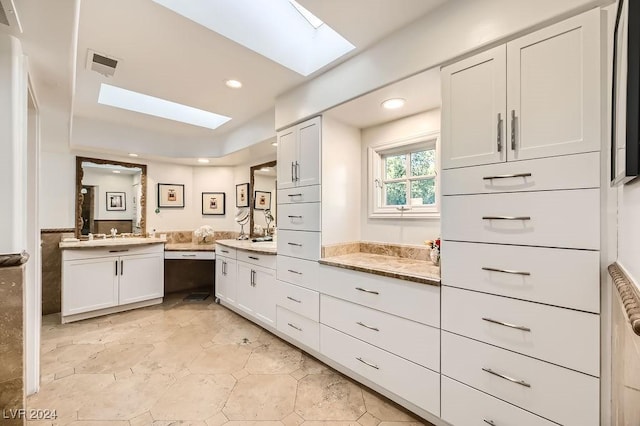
x: 506, y: 217
x: 505, y: 271
x: 295, y: 244
x: 116, y: 268
x: 366, y: 291
x: 515, y: 175
x: 294, y: 272
x: 293, y: 326
x: 506, y: 324
x: 254, y: 258
x: 367, y: 326
x: 297, y: 171
x: 511, y: 379
x: 224, y: 270
x: 253, y: 278
x: 293, y: 179
x: 295, y: 300
x: 294, y: 195
x: 489, y: 422
x: 499, y: 132
x: 122, y: 267
x: 294, y: 217
x: 367, y: 363
x: 514, y: 121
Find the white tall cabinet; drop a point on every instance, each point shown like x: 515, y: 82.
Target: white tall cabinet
x: 299, y: 154
x: 521, y: 230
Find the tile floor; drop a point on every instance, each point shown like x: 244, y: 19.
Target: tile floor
x: 193, y: 363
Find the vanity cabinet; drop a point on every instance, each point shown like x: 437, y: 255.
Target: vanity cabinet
x: 256, y: 292
x: 536, y: 96
x: 226, y: 270
x: 98, y: 281
x: 299, y: 154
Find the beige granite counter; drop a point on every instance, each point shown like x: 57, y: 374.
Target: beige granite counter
x: 189, y: 247
x: 265, y: 247
x: 110, y: 242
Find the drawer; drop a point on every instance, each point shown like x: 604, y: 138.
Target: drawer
x: 556, y: 393
x: 299, y: 300
x: 304, y: 194
x: 562, y: 277
x: 416, y: 384
x: 98, y: 252
x: 417, y: 302
x: 564, y: 172
x: 300, y: 328
x: 264, y: 260
x: 463, y: 312
x: 300, y: 244
x: 410, y: 340
x: 299, y: 217
x: 563, y: 219
x: 298, y: 271
x: 190, y: 255
x: 225, y: 251
x: 465, y: 406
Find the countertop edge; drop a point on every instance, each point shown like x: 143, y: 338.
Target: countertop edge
x: 381, y: 272
x: 227, y: 243
x: 70, y: 245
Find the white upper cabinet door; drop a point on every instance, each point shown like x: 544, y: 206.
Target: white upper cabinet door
x: 553, y: 89
x: 473, y: 110
x: 287, y: 153
x: 307, y: 168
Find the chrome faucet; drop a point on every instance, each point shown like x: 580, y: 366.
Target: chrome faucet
x: 114, y: 232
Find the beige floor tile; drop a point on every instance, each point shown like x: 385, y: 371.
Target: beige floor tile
x: 368, y: 419
x: 384, y: 409
x: 310, y: 365
x: 144, y: 419
x: 330, y: 423
x: 254, y: 423
x: 178, y: 423
x: 262, y: 397
x: 168, y: 358
x: 293, y: 420
x: 217, y: 420
x: 329, y: 397
x: 274, y: 357
x: 417, y: 423
x: 65, y: 357
x: 100, y: 423
x: 114, y: 358
x: 237, y: 331
x: 194, y: 397
x: 220, y: 359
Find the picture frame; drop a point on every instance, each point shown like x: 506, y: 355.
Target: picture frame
x: 262, y: 200
x: 625, y: 94
x: 170, y: 195
x: 116, y: 201
x: 242, y: 195
x: 213, y: 203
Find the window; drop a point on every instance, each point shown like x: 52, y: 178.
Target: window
x: 403, y: 178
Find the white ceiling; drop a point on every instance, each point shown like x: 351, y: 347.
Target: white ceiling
x: 168, y: 56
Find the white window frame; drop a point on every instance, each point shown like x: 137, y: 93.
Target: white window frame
x: 376, y: 176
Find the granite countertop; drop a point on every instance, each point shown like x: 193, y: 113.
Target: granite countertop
x: 189, y: 247
x: 110, y: 242
x: 420, y: 271
x: 264, y: 247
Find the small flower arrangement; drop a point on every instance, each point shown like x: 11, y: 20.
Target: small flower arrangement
x: 203, y: 233
x: 433, y: 243
x: 435, y: 250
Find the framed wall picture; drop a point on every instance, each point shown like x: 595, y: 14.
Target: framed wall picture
x: 262, y: 200
x: 116, y: 201
x: 242, y: 195
x: 213, y: 203
x: 170, y: 195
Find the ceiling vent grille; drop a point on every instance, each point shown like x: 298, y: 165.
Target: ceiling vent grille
x: 102, y: 64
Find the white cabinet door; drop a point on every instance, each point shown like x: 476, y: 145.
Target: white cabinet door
x: 287, y: 154
x: 226, y: 287
x: 308, y: 166
x: 141, y: 278
x: 554, y: 89
x: 244, y: 288
x: 89, y: 285
x: 257, y: 292
x: 473, y: 110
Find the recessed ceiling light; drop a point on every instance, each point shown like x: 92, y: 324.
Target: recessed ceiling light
x: 145, y: 104
x: 393, y: 103
x: 116, y: 171
x: 266, y: 169
x: 203, y: 160
x: 131, y: 154
x: 234, y: 84
x: 274, y: 143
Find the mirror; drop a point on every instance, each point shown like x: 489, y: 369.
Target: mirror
x: 110, y: 194
x: 263, y: 199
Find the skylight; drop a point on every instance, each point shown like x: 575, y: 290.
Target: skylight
x: 281, y: 30
x: 145, y: 104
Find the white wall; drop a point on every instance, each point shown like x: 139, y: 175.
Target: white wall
x: 405, y: 231
x: 104, y: 183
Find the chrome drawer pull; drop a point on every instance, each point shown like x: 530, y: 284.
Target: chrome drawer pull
x: 294, y: 195
x: 294, y: 217
x: 502, y: 376
x: 506, y: 324
x: 293, y: 326
x: 506, y: 217
x: 189, y: 255
x: 294, y: 272
x: 253, y: 257
x: 224, y: 251
x: 516, y: 175
x: 366, y: 291
x: 489, y: 422
x: 295, y: 244
x: 506, y: 271
x: 295, y: 300
x: 118, y: 251
x: 366, y: 363
x: 367, y: 326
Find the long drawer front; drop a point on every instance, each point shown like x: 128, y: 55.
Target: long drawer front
x: 300, y: 244
x: 417, y: 302
x: 565, y: 172
x: 299, y: 217
x: 556, y: 393
x: 565, y: 219
x: 265, y: 260
x: 303, y: 301
x: 465, y: 406
x: 298, y: 271
x: 303, y: 194
x: 562, y: 277
x: 300, y: 328
x: 561, y: 336
x: 414, y: 383
x: 411, y: 340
